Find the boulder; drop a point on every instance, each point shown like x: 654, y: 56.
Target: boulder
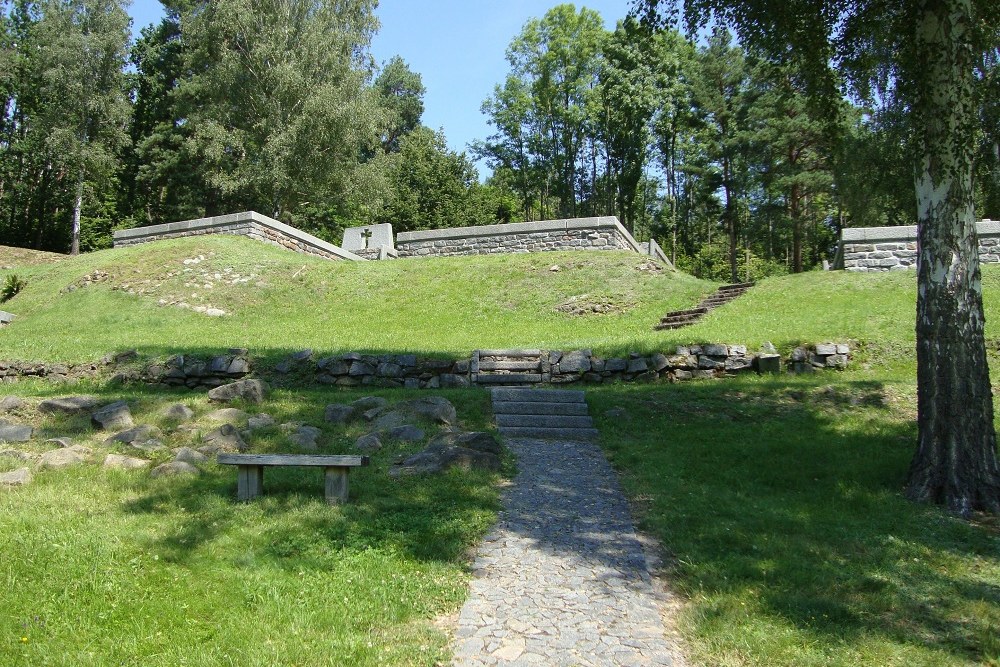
x: 263, y: 420
x: 306, y: 436
x: 15, y: 432
x: 69, y: 405
x: 438, y: 458
x: 10, y: 403
x: 389, y: 420
x: 19, y: 477
x: 339, y: 413
x: 141, y: 433
x: 112, y: 416
x: 60, y: 458
x: 369, y: 402
x: 405, y: 433
x: 251, y: 391
x: 577, y: 361
x: 62, y: 442
x: 174, y: 468
x: 637, y: 365
x: 227, y: 415
x: 188, y: 455
x: 368, y: 443
x: 435, y: 408
x: 478, y: 440
x: 119, y: 462
x: 226, y: 439
x: 178, y: 412
x: 659, y: 362
x: 150, y: 446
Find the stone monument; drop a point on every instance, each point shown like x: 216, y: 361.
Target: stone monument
x: 370, y: 242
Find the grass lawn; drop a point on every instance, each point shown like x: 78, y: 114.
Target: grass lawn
x: 103, y: 567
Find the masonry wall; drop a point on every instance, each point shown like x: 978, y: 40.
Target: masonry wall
x: 603, y: 233
x: 870, y: 249
x: 250, y: 224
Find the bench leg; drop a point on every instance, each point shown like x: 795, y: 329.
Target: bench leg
x: 249, y: 482
x: 336, y: 485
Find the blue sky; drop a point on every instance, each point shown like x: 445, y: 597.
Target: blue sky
x: 457, y: 46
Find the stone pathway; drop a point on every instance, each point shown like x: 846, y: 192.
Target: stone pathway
x: 562, y: 578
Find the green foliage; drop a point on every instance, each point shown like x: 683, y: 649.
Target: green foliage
x: 12, y: 284
x: 402, y: 93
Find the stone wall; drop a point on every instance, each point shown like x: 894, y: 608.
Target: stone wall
x: 895, y: 248
x: 603, y: 233
x: 250, y: 224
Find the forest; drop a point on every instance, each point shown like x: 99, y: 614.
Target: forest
x: 726, y: 155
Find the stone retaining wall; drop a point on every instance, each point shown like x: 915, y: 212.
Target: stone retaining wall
x: 895, y: 248
x: 249, y: 223
x: 602, y: 233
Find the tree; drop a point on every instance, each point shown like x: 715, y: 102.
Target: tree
x: 402, y: 94
x: 927, y: 52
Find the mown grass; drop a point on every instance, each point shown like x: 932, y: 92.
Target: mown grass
x: 779, y: 504
x: 103, y: 567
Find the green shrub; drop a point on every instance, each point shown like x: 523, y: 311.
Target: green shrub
x: 11, y: 287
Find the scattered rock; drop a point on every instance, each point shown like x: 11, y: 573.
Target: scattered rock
x: 136, y: 434
x: 10, y: 403
x: 60, y: 458
x: 405, y: 433
x: 368, y: 443
x: 19, y: 477
x: 251, y: 391
x: 178, y: 412
x: 478, y: 440
x: 227, y: 415
x: 188, y: 455
x: 69, y: 405
x: 15, y: 432
x: 369, y: 402
x: 306, y: 436
x: 435, y: 408
x: 389, y: 420
x: 113, y: 416
x: 150, y: 446
x: 62, y: 442
x: 339, y: 413
x: 438, y: 458
x: 16, y: 454
x: 226, y: 438
x: 263, y: 420
x: 174, y: 468
x: 119, y: 462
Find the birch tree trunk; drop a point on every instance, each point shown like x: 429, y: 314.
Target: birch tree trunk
x: 77, y: 205
x: 956, y: 459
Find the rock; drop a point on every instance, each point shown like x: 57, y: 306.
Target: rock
x: 339, y: 413
x: 368, y: 443
x: 451, y: 381
x: 369, y: 402
x: 372, y: 413
x: 238, y: 366
x: 615, y: 365
x: 227, y: 415
x: 714, y: 350
x: 62, y: 442
x: 841, y: 349
x: 263, y: 420
x: 112, y: 416
x: 251, y: 391
x: 435, y: 408
x: 136, y: 434
x: 799, y: 355
x: 188, y: 455
x: 60, y: 458
x: 615, y: 413
x: 306, y: 437
x: 768, y: 348
x: 826, y: 349
x: 69, y: 405
x: 119, y: 462
x: 178, y: 412
x: 174, y: 468
x: 637, y: 366
x: 768, y: 363
x: 19, y: 477
x: 150, y: 446
x: 226, y: 438
x: 10, y: 403
x: 389, y: 420
x: 16, y: 454
x: 15, y: 432
x: 577, y: 361
x: 437, y: 458
x: 479, y: 440
x: 405, y: 433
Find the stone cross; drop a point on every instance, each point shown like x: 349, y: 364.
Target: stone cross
x: 366, y: 234
x: 369, y: 237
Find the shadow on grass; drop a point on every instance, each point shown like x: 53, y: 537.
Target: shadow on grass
x: 784, y: 496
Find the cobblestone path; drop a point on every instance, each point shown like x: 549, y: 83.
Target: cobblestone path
x: 562, y: 578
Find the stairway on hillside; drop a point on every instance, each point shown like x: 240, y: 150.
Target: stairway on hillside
x: 683, y: 318
x: 548, y: 414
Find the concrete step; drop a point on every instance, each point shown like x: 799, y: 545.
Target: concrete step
x: 549, y: 433
x: 537, y: 395
x: 529, y: 408
x: 676, y: 325
x: 544, y: 421
x: 667, y: 319
x: 737, y: 286
x: 691, y: 311
x: 530, y: 365
x: 510, y: 378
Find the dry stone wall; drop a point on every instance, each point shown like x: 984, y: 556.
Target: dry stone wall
x: 872, y: 249
x: 250, y: 224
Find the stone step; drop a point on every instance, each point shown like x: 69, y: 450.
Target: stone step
x: 537, y: 395
x: 691, y: 311
x: 737, y: 286
x: 667, y: 319
x: 510, y: 378
x: 511, y: 354
x: 529, y: 408
x: 530, y: 365
x: 675, y: 325
x: 549, y: 433
x: 544, y: 421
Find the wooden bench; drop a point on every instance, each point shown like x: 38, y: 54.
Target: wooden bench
x: 250, y: 471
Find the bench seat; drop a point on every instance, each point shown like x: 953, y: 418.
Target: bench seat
x: 250, y: 471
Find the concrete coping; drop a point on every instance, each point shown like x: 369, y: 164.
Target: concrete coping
x: 233, y: 219
x: 905, y: 233
x: 6, y: 318
x: 485, y: 231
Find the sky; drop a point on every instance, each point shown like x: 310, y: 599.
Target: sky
x: 457, y: 46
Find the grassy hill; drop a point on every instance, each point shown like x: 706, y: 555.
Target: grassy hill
x: 11, y: 257
x: 776, y: 500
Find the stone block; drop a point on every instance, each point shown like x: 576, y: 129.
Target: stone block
x: 359, y: 368
x: 637, y: 366
x: 682, y: 361
x: 825, y: 349
x: 659, y: 362
x: 738, y: 364
x: 615, y: 365
x: 843, y: 349
x: 708, y: 363
x: 577, y: 361
x: 768, y: 363
x: 715, y: 350
x: 682, y: 374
